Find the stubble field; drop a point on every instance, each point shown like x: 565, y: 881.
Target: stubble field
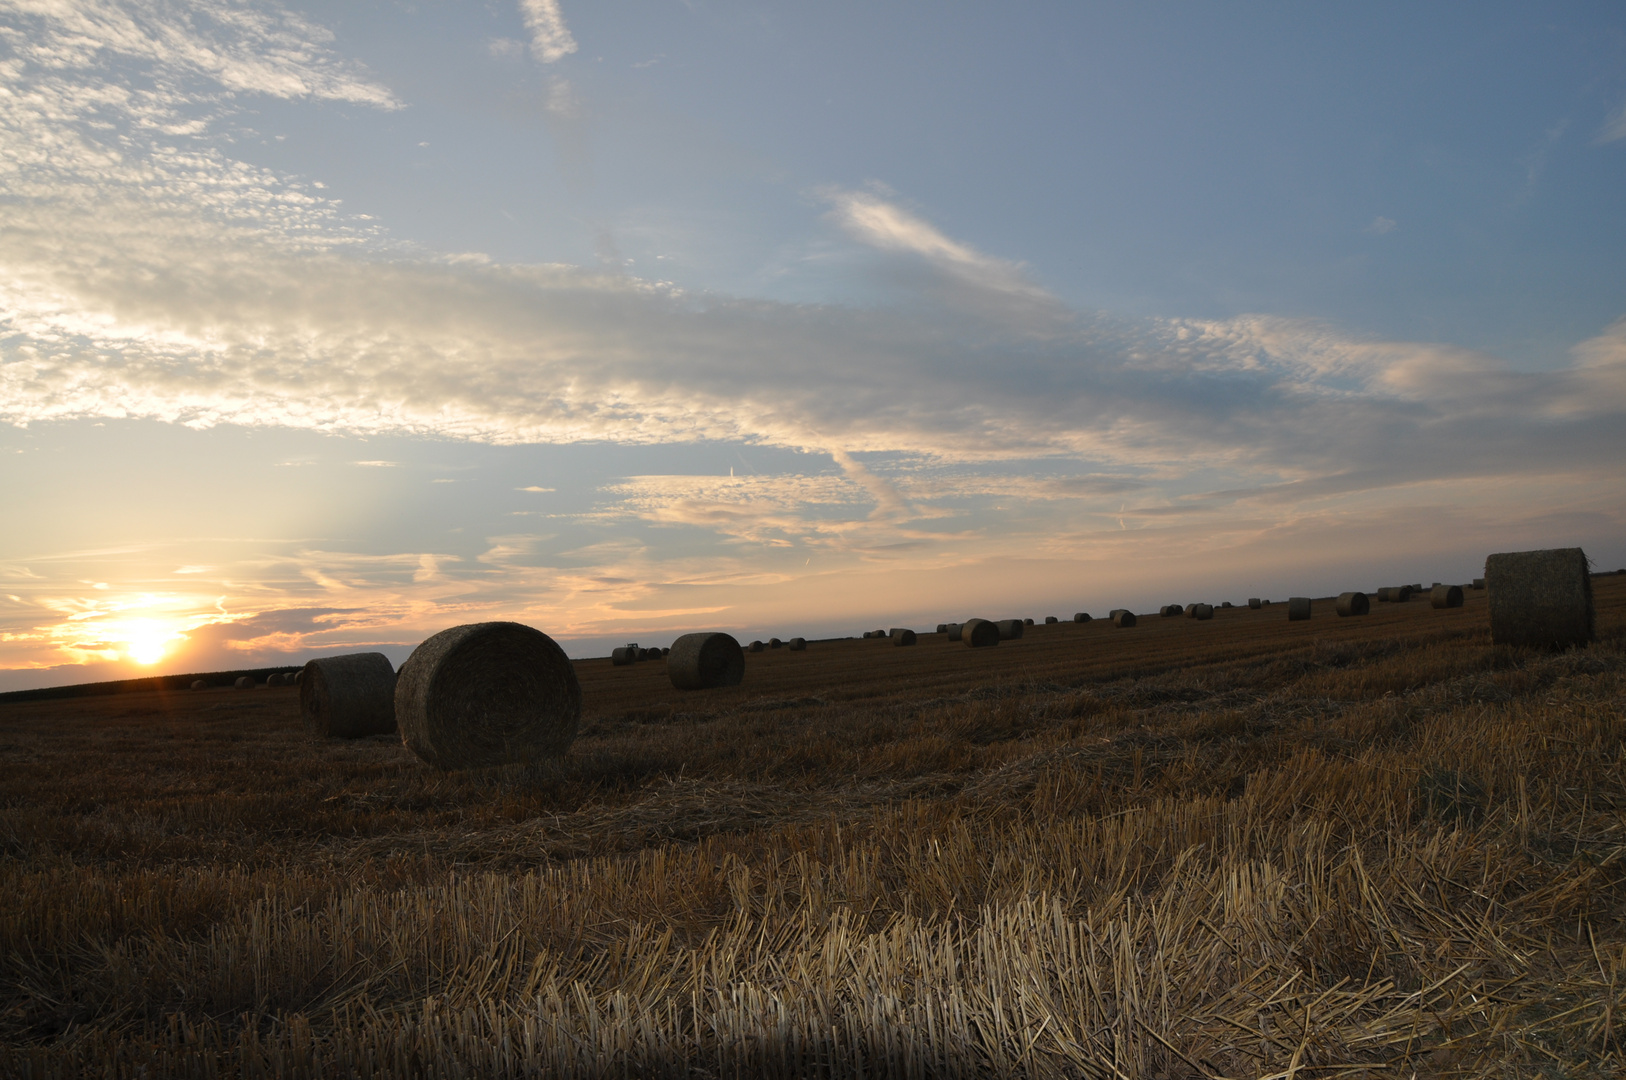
x: 1375, y: 846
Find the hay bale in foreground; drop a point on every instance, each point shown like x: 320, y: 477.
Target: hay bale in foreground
x: 199, y: 684
x: 796, y: 644
x: 1202, y: 612
x: 1051, y: 620
x: 347, y: 697
x: 1123, y: 618
x: 1445, y: 596
x: 1009, y: 629
x: 244, y: 682
x: 1081, y: 617
x: 1540, y: 598
x: 704, y: 661
x: 1352, y: 603
x: 901, y: 635
x: 1298, y: 608
x: 495, y: 693
x: 1255, y: 603
x: 979, y: 633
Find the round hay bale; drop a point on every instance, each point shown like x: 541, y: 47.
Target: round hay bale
x: 757, y: 646
x: 199, y: 684
x: 1010, y: 629
x: 1082, y: 616
x: 244, y: 682
x: 666, y: 650
x: 1050, y: 619
x: 1170, y: 611
x: 954, y: 631
x: 649, y: 654
x: 705, y: 660
x: 1202, y: 612
x: 299, y: 676
x: 1352, y: 603
x: 346, y: 697
x: 1027, y: 622
x: 1226, y: 604
x: 622, y: 657
x: 979, y: 633
x: 1115, y: 612
x: 1191, y: 611
x: 796, y: 644
x: 1479, y: 583
x: 274, y: 679
x: 901, y: 636
x: 1445, y: 596
x: 1255, y: 603
x: 495, y: 693
x: 774, y: 643
x: 1123, y: 618
x: 942, y: 628
x: 1540, y: 598
x: 1298, y: 608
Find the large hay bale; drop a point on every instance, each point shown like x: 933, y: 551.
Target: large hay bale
x: 796, y: 644
x: 1445, y: 596
x: 622, y: 657
x: 953, y: 631
x: 495, y: 693
x: 706, y: 660
x: 1122, y: 617
x: 244, y: 682
x: 901, y: 635
x: 1352, y: 603
x: 1009, y: 629
x: 1255, y: 603
x: 979, y: 633
x: 1050, y: 620
x: 1298, y: 608
x: 199, y: 684
x: 1540, y: 598
x: 1081, y: 616
x: 1202, y: 612
x: 347, y: 697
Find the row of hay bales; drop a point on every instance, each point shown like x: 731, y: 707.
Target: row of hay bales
x: 500, y: 693
x: 248, y: 682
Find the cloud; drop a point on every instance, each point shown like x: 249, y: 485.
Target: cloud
x: 1381, y: 225
x: 550, y: 37
x: 1613, y: 129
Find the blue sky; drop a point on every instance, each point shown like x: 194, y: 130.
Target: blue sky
x: 326, y: 327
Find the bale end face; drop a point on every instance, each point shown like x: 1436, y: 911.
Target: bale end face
x: 901, y: 635
x: 622, y: 657
x: 1123, y: 619
x: 349, y: 696
x: 485, y: 694
x: 1352, y: 603
x: 757, y: 646
x: 1540, y: 598
x: 1445, y: 596
x: 942, y: 628
x: 979, y: 633
x: 774, y: 643
x: 1298, y: 608
x: 244, y: 682
x: 1081, y: 617
x: 705, y: 661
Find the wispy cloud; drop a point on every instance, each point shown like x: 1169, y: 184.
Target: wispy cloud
x: 1614, y: 128
x: 550, y: 37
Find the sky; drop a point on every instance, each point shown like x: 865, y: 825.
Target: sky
x: 325, y: 327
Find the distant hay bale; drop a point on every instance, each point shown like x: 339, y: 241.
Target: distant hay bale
x: 1445, y: 596
x: 1226, y: 604
x: 1010, y: 629
x: 649, y: 654
x: 757, y: 646
x: 1298, y: 608
x: 1394, y: 594
x: 1027, y: 622
x: 299, y: 676
x: 1191, y: 611
x: 622, y: 657
x: 796, y: 644
x: 1115, y: 612
x: 774, y: 643
x: 347, y: 697
x: 244, y: 682
x: 954, y: 631
x: 274, y: 679
x: 1082, y: 616
x: 1170, y: 611
x: 1255, y: 603
x: 482, y: 694
x: 942, y: 628
x: 1415, y: 588
x: 199, y: 684
x: 1202, y: 612
x: 1050, y: 620
x: 704, y: 661
x: 1123, y: 618
x: 666, y: 650
x: 979, y: 633
x: 901, y: 635
x: 1479, y: 583
x: 1352, y: 603
x: 1540, y: 598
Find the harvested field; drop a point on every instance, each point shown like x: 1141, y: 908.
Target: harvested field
x: 1243, y: 847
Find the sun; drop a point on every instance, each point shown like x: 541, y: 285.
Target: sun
x: 146, y: 642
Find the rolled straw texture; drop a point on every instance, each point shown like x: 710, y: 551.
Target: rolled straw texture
x: 1123, y: 618
x: 979, y: 633
x: 1445, y: 596
x: 1352, y: 603
x: 796, y: 644
x: 901, y: 636
x: 1540, y: 598
x: 1298, y: 608
x: 346, y: 697
x: 1009, y: 629
x: 706, y: 660
x: 495, y: 693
